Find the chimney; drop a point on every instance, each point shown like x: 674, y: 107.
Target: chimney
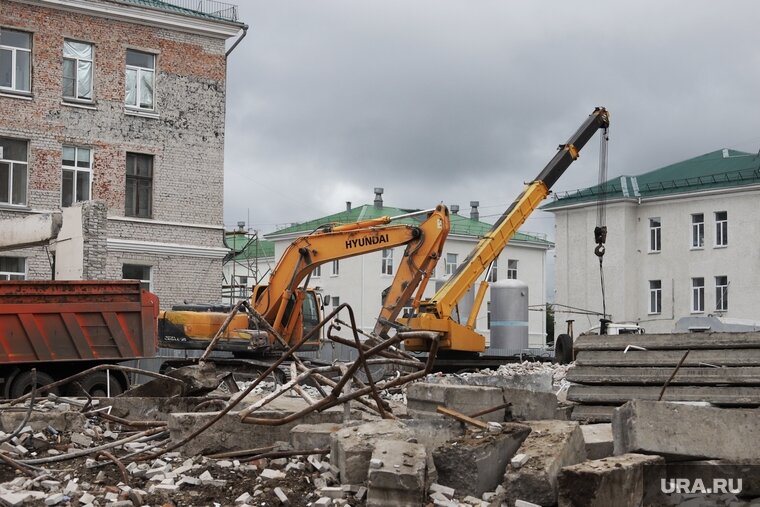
x: 454, y: 209
x: 348, y: 205
x: 379, y: 197
x: 474, y: 214
x: 241, y: 226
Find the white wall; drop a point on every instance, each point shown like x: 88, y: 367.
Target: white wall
x: 629, y: 266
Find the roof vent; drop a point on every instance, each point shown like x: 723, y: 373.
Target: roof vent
x: 725, y: 152
x: 348, y: 205
x: 454, y: 209
x: 379, y: 197
x: 474, y: 214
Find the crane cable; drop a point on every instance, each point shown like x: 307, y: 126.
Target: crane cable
x: 600, y: 231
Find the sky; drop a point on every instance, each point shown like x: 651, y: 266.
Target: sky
x: 452, y: 101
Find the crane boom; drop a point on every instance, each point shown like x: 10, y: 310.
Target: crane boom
x: 436, y: 313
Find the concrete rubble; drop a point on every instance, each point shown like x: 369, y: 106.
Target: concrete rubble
x: 504, y: 442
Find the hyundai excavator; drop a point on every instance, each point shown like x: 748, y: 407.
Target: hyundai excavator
x: 460, y: 339
x: 291, y: 309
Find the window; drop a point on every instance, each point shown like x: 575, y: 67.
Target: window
x: 76, y: 178
x: 137, y: 272
x: 655, y: 296
x: 317, y: 271
x: 697, y: 295
x: 15, y: 60
x: 139, y: 186
x: 335, y: 267
x: 512, y: 269
x: 335, y: 300
x: 242, y: 280
x: 721, y: 293
x: 698, y: 230
x: 493, y: 275
x: 386, y: 264
x: 13, y: 171
x: 12, y: 268
x: 140, y: 79
x: 77, y: 70
x: 451, y: 263
x: 655, y: 235
x: 721, y: 228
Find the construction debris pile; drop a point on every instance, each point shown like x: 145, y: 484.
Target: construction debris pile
x: 486, y: 438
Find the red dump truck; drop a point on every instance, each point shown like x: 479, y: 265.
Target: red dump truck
x: 65, y: 327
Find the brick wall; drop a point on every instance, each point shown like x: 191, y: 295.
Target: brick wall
x: 186, y: 139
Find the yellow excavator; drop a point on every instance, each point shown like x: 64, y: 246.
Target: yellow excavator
x: 292, y: 309
x: 460, y: 339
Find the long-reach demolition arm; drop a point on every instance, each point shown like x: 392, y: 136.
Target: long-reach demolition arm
x: 424, y: 242
x: 435, y: 314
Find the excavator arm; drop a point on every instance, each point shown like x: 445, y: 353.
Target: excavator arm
x: 436, y: 313
x: 279, y: 302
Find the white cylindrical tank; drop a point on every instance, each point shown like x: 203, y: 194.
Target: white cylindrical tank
x: 509, y: 317
x: 462, y: 311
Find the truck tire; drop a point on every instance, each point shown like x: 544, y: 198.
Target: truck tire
x: 96, y: 385
x: 563, y: 349
x: 22, y: 384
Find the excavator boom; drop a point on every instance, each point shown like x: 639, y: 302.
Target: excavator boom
x: 436, y: 313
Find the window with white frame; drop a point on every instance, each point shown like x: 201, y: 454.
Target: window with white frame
x: 138, y: 272
x: 12, y: 268
x: 451, y: 263
x: 721, y: 293
x: 697, y: 295
x: 655, y: 296
x: 76, y: 179
x: 317, y: 271
x: 77, y: 70
x: 655, y: 234
x: 721, y: 228
x: 493, y: 275
x: 386, y: 261
x: 139, y: 191
x: 698, y: 230
x: 140, y: 79
x: 335, y: 267
x: 512, y: 269
x: 13, y: 171
x: 15, y: 61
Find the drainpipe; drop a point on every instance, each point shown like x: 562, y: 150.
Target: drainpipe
x: 242, y: 36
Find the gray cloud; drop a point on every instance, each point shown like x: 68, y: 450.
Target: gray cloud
x: 453, y: 101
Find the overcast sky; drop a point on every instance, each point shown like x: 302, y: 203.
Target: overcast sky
x: 453, y: 101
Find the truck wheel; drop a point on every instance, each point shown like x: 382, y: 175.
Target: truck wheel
x: 563, y: 349
x: 22, y: 384
x: 96, y: 385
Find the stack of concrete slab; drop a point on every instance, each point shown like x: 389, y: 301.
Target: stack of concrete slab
x: 720, y: 368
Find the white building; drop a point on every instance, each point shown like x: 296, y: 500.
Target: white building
x: 682, y: 241
x: 361, y: 280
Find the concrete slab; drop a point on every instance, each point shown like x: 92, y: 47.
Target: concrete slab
x: 724, y: 395
x: 598, y: 438
x: 616, y: 480
x: 313, y: 436
x: 529, y: 405
x: 541, y: 381
x: 727, y: 357
x: 667, y: 341
x: 61, y: 420
x: 472, y: 465
x: 677, y: 430
x: 550, y: 446
x: 592, y: 413
x: 230, y: 434
x: 401, y: 478
x: 690, y: 375
x: 422, y: 399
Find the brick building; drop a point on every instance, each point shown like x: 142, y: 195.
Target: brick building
x: 121, y: 102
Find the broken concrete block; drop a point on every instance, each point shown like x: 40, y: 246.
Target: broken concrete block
x: 616, y: 480
x: 598, y: 438
x: 518, y: 460
x: 657, y: 427
x: 529, y: 405
x: 402, y: 479
x: 550, y: 446
x: 313, y: 436
x: 269, y: 473
x: 14, y: 499
x: 422, y: 399
x: 537, y: 381
x: 473, y: 466
x: 281, y: 496
x: 444, y: 490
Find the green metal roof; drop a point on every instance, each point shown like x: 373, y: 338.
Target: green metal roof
x: 247, y: 247
x: 207, y: 9
x: 460, y: 225
x: 717, y: 169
